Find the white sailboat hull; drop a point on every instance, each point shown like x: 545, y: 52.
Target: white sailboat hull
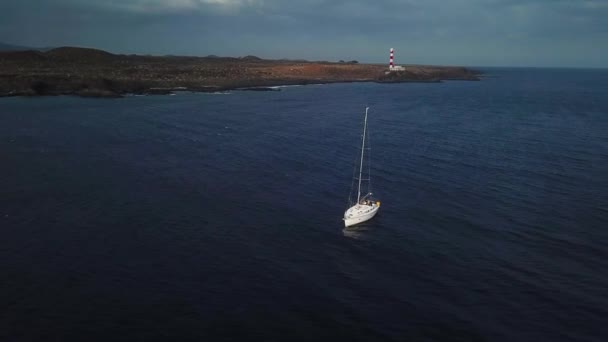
x: 359, y: 213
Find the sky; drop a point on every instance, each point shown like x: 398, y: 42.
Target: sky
x: 537, y: 33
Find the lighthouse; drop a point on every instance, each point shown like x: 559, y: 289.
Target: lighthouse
x: 391, y: 64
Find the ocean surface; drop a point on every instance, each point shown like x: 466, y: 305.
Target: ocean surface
x: 217, y: 217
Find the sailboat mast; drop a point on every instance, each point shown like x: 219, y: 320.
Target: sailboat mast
x: 362, y: 151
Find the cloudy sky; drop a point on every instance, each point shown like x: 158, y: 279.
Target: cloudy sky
x: 461, y: 32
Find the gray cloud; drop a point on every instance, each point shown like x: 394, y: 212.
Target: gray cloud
x: 469, y: 32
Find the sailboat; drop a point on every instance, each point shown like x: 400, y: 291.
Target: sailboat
x: 366, y: 206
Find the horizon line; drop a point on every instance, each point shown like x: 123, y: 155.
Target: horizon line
x: 47, y: 48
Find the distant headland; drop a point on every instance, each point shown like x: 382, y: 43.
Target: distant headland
x: 96, y: 73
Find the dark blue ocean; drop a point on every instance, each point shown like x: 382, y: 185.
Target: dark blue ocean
x: 217, y: 217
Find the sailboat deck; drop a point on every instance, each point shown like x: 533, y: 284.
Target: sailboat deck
x: 359, y: 209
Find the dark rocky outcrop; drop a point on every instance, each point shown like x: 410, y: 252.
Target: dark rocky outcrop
x: 259, y: 89
x: 251, y: 58
x: 429, y: 74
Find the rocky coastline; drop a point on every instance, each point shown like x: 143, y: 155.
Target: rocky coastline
x: 96, y: 73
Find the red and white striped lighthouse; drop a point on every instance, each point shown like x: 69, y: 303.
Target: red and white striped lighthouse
x: 390, y: 64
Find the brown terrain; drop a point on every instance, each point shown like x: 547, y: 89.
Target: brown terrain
x: 90, y: 72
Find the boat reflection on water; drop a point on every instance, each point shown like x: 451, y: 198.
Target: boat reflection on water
x: 357, y: 232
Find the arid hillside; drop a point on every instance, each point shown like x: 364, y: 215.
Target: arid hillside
x: 91, y: 72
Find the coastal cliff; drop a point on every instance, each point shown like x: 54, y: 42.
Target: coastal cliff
x: 97, y: 73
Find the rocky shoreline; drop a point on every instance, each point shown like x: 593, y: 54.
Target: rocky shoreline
x: 95, y: 73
